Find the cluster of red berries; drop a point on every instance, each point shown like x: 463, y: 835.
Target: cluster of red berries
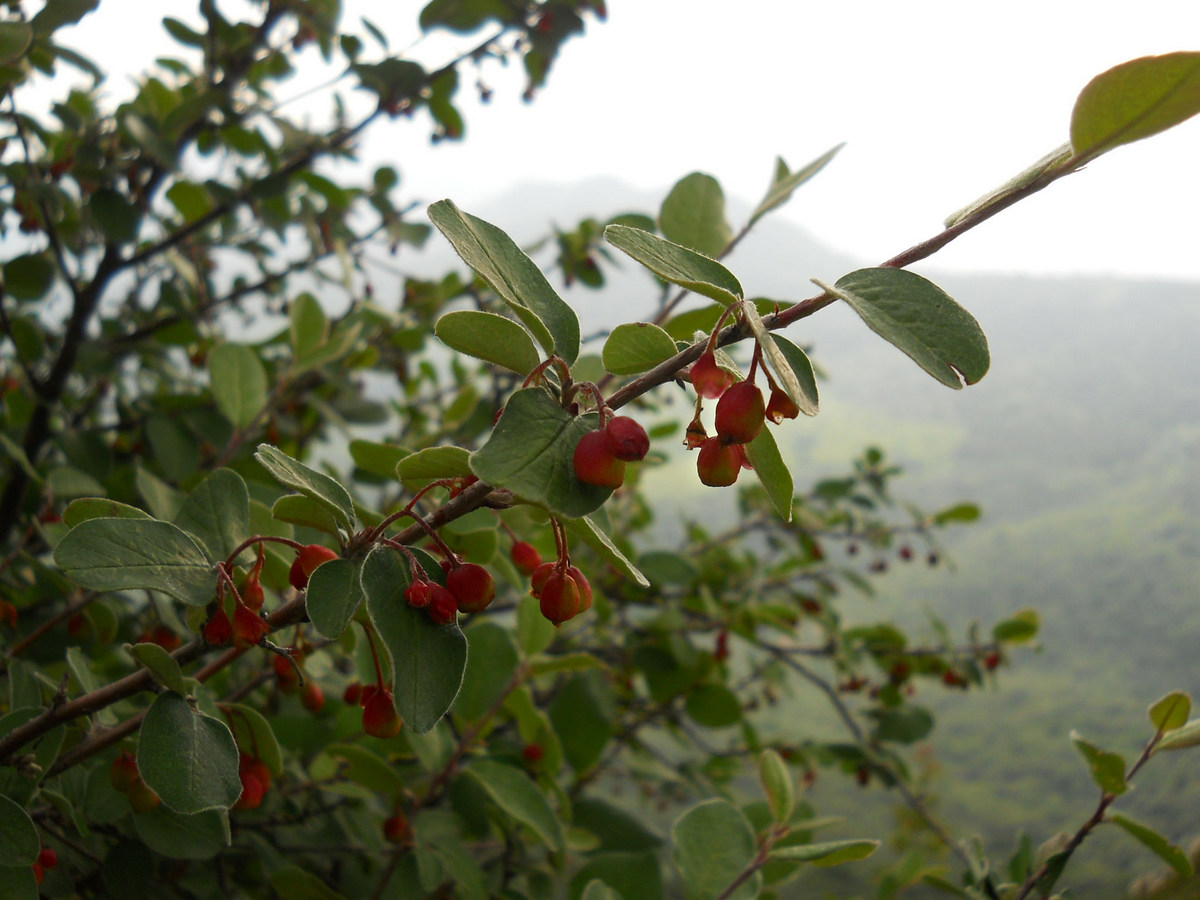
x: 600, y: 455
x: 128, y: 780
x: 469, y: 588
x: 561, y: 589
x: 380, y: 718
x: 46, y: 859
x: 256, y: 781
x: 740, y: 414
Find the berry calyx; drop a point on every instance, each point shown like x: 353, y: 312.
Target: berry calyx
x: 443, y: 607
x: 307, y: 560
x: 525, y: 557
x: 595, y: 463
x: 560, y: 598
x: 718, y: 463
x: 709, y: 379
x: 380, y: 718
x: 740, y: 413
x: 627, y: 440
x: 248, y: 628
x: 472, y: 586
x: 780, y: 406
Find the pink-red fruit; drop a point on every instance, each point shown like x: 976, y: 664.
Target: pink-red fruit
x: 540, y: 576
x: 627, y: 440
x: 380, y: 718
x: 248, y: 628
x: 560, y: 597
x: 585, y: 589
x: 595, y: 463
x: 417, y: 594
x: 781, y: 406
x: 472, y: 586
x: 443, y: 607
x: 307, y: 560
x: 709, y: 379
x: 718, y: 463
x: 740, y: 413
x: 312, y: 697
x: 525, y: 557
x: 397, y: 830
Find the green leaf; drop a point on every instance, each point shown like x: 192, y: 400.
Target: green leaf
x: 636, y: 347
x: 773, y: 472
x: 254, y: 735
x: 29, y: 277
x: 1021, y: 627
x: 193, y: 201
x: 160, y: 663
x: 297, y: 509
x: 189, y: 759
x: 1107, y: 768
x: 827, y: 853
x: 80, y: 667
x: 119, y: 554
x: 464, y: 16
x: 295, y: 883
x: 434, y: 463
x: 239, y: 383
x: 801, y: 367
x: 585, y: 529
x: 333, y: 596
x: 308, y: 328
x: 684, y: 326
x: 1171, y: 712
x: 218, y: 512
x: 428, y: 660
x: 960, y: 512
x: 377, y: 458
x: 117, y: 216
x: 365, y: 767
x: 598, y: 890
x: 693, y: 215
x: 1181, y: 738
x: 490, y: 337
x: 19, y: 841
x: 513, y: 275
x: 676, y: 264
x: 56, y: 14
x: 919, y: 318
x: 1156, y: 844
x: 713, y: 845
x: 513, y: 791
x: 634, y: 875
x: 100, y: 508
x: 583, y: 713
x: 778, y: 784
x: 491, y: 661
x: 714, y: 706
x: 299, y: 477
x: 198, y: 836
x: 785, y: 182
x: 1135, y: 100
x: 534, y: 631
x: 903, y: 725
x: 19, y: 884
x: 15, y: 38
x: 531, y: 452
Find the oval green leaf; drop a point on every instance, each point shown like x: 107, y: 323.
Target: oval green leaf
x: 1171, y: 712
x: 217, y: 511
x: 827, y: 853
x: 15, y: 38
x: 434, y: 463
x: 254, y: 736
x: 489, y: 337
x: 677, y: 264
x: 636, y: 347
x: 428, y: 660
x: 1107, y: 768
x: 333, y: 596
x: 1135, y: 100
x: 778, y: 784
x: 120, y: 554
x: 713, y: 845
x: 320, y: 487
x: 239, y: 383
x: 19, y: 841
x: 1156, y: 844
x: 513, y: 275
x: 513, y: 791
x: 693, y: 215
x: 29, y: 277
x: 785, y: 182
x: 189, y: 759
x: 773, y: 472
x: 160, y: 663
x: 920, y: 319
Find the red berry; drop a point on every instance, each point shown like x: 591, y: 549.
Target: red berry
x: 863, y: 775
x: 443, y: 607
x: 257, y: 768
x: 312, y: 697
x: 780, y: 406
x: 627, y: 440
x: 252, y: 595
x: 718, y: 463
x: 48, y: 858
x: 952, y: 678
x: 906, y: 553
x: 124, y: 772
x: 585, y: 589
x: 306, y: 562
x: 540, y: 575
x: 218, y: 630
x: 533, y: 752
x: 166, y: 638
x: 252, y: 792
x: 472, y: 586
x: 595, y: 463
x: 721, y: 650
x: 740, y: 413
x: 368, y: 691
x: 417, y: 594
x: 380, y: 718
x: 352, y: 693
x: 286, y: 676
x: 560, y: 598
x: 397, y: 830
x: 709, y: 379
x: 525, y: 557
x: 39, y: 874
x: 992, y: 661
x: 248, y: 628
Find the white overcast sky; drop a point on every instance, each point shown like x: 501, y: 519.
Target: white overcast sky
x: 937, y: 100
